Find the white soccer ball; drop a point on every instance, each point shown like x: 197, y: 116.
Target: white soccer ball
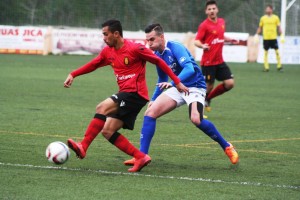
x: 57, y: 153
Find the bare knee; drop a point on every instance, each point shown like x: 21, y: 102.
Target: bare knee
x: 100, y: 108
x: 151, y: 113
x: 229, y: 84
x: 106, y: 133
x: 195, y: 119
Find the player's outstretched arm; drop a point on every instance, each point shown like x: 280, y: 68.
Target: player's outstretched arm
x: 87, y: 68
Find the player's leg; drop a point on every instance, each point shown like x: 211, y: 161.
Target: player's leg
x: 162, y: 105
x: 276, y: 48
x: 109, y: 131
x: 210, y: 75
x: 266, y: 59
x: 106, y: 107
x: 196, y: 116
x: 223, y: 74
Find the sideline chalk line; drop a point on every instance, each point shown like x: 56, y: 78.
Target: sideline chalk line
x: 154, y: 176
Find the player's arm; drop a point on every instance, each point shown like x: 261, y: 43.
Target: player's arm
x: 185, y: 62
x: 148, y: 55
x: 282, y: 39
x: 200, y: 38
x: 162, y: 77
x: 91, y: 66
x: 258, y: 31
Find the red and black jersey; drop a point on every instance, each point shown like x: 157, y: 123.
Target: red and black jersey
x: 128, y: 64
x: 212, y: 33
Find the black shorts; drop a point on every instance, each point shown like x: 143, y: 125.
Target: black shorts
x: 130, y: 104
x: 270, y: 44
x: 220, y: 72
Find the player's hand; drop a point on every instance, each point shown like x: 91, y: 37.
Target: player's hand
x: 182, y: 88
x: 164, y: 85
x: 256, y: 39
x: 282, y: 39
x: 68, y: 82
x: 205, y: 47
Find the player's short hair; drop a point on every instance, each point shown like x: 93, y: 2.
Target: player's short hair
x: 269, y: 6
x: 210, y: 2
x: 155, y: 27
x: 113, y: 26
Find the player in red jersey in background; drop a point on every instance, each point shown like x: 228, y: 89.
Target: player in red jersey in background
x: 210, y: 38
x: 128, y: 60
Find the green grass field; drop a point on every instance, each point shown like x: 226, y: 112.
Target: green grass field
x: 260, y: 116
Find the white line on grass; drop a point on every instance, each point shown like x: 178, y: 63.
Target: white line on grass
x: 153, y: 176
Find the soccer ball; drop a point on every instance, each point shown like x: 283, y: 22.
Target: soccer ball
x: 57, y: 153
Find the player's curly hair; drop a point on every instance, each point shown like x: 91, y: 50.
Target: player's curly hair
x: 155, y: 27
x: 113, y: 26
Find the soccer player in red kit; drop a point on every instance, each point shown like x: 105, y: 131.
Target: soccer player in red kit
x: 128, y: 61
x: 210, y: 38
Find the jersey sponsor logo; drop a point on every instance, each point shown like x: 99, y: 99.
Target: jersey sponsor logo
x: 217, y: 41
x: 125, y: 77
x: 126, y: 61
x: 182, y: 59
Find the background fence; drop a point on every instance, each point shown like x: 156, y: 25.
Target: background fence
x: 174, y: 15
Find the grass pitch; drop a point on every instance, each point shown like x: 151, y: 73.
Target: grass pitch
x: 260, y: 116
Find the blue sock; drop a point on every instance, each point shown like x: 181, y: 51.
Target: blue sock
x: 147, y: 133
x: 209, y: 129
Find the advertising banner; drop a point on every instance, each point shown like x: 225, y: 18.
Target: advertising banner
x: 22, y: 39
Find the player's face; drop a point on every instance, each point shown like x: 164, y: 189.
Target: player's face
x: 268, y: 11
x: 212, y: 11
x: 155, y: 41
x: 109, y: 37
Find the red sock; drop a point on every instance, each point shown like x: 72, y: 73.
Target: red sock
x: 93, y: 130
x: 220, y: 89
x: 124, y: 145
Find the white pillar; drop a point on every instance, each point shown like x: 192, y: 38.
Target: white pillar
x: 283, y: 16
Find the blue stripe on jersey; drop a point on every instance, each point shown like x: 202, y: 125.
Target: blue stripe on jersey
x: 182, y: 64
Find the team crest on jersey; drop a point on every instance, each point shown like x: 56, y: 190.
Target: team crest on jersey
x: 126, y: 61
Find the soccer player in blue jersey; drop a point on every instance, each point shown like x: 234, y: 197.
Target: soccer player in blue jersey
x: 184, y: 66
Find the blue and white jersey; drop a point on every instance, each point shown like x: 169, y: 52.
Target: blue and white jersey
x: 182, y: 64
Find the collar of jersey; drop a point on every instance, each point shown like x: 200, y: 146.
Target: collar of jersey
x: 165, y: 48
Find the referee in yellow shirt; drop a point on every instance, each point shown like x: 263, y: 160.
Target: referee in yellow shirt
x: 270, y: 24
